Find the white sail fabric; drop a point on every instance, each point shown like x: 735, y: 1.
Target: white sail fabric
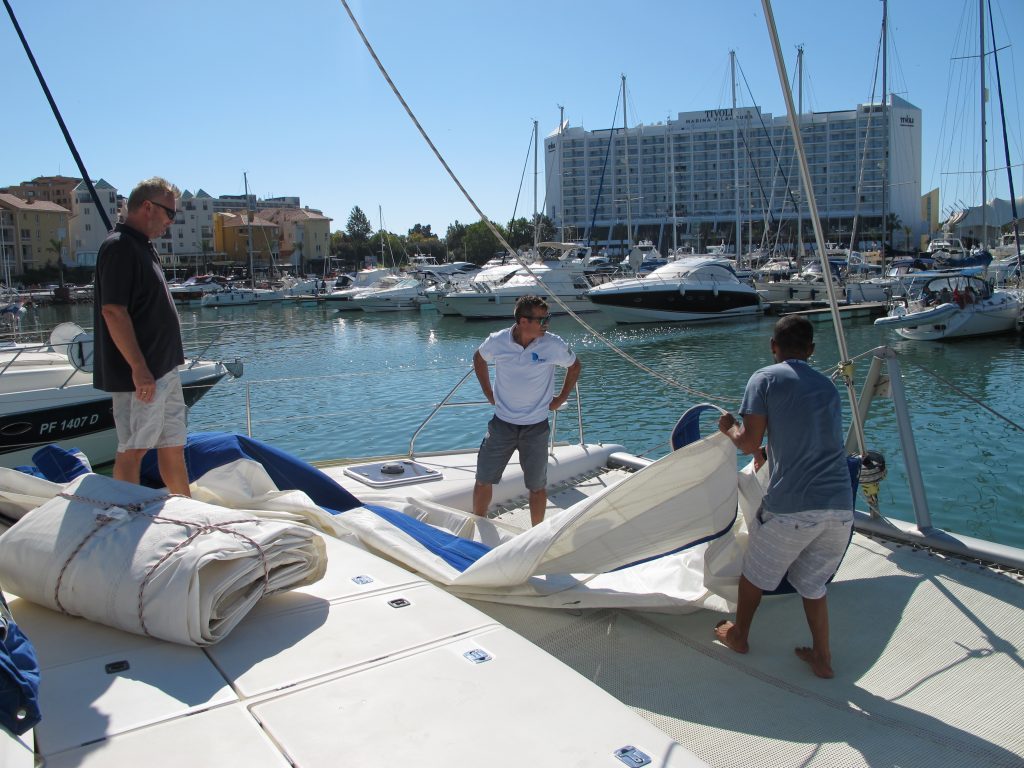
x: 140, y: 560
x: 593, y: 554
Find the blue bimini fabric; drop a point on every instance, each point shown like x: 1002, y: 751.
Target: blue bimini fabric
x: 19, y: 676
x: 207, y: 450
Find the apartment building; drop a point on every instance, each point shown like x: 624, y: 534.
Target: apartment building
x: 305, y: 236
x: 52, y: 189
x: 676, y: 182
x: 188, y: 244
x: 232, y: 233
x: 88, y: 230
x: 32, y: 233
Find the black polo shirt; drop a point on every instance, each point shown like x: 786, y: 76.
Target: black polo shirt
x: 128, y: 274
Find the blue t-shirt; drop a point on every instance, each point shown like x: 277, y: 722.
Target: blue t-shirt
x: 524, y: 377
x: 806, y: 450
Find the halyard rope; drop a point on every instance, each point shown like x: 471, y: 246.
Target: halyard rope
x: 137, y: 509
x: 497, y: 233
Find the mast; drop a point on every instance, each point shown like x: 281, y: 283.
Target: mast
x: 672, y: 179
x: 625, y: 157
x: 805, y: 172
x: 249, y: 206
x: 799, y: 181
x: 1006, y: 141
x: 984, y: 154
x: 3, y: 247
x: 561, y: 175
x: 536, y: 219
x: 736, y: 159
x: 885, y: 125
x: 380, y: 219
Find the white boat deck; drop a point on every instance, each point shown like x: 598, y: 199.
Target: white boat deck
x: 370, y: 666
x: 927, y: 652
x: 926, y: 649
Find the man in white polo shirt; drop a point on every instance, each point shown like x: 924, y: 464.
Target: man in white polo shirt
x: 524, y: 358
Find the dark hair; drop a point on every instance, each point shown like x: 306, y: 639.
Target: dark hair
x: 525, y: 304
x: 794, y: 333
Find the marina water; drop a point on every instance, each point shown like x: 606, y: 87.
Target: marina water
x: 323, y: 384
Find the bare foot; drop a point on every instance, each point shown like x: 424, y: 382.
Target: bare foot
x: 820, y: 667
x: 725, y: 632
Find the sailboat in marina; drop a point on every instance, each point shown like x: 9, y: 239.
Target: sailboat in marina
x: 234, y: 295
x: 958, y: 305
x: 386, y: 611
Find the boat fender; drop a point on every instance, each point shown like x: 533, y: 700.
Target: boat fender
x: 715, y: 291
x: 682, y: 290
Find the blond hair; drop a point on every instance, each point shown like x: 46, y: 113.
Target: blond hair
x: 150, y: 189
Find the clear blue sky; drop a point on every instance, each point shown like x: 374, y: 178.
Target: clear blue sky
x: 201, y: 91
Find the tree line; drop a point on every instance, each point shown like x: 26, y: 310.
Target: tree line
x: 359, y: 243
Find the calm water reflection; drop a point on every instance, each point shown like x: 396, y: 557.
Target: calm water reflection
x: 323, y: 384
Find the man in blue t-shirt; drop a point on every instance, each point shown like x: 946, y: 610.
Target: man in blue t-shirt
x: 524, y: 358
x: 807, y: 510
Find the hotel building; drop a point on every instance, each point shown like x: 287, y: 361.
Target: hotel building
x: 683, y: 173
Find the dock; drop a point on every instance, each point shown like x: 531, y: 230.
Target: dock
x: 819, y: 311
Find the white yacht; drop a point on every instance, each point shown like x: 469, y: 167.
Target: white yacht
x: 191, y: 292
x: 487, y: 278
x: 341, y: 298
x: 952, y: 306
x: 391, y: 294
x: 229, y: 297
x: 555, y: 273
x: 691, y: 289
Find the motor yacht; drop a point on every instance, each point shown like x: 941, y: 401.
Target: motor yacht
x: 341, y: 297
x: 391, y: 294
x: 230, y: 297
x: 555, y: 272
x: 691, y: 289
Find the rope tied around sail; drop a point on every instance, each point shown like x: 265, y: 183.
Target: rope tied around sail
x: 137, y: 509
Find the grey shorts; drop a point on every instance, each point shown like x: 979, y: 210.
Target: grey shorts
x: 810, y: 545
x: 502, y: 440
x: 161, y: 423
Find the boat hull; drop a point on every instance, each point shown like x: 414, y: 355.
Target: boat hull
x: 77, y: 416
x: 677, y: 306
x: 948, y: 321
x: 498, y: 305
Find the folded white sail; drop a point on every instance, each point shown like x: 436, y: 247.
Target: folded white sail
x: 146, y: 562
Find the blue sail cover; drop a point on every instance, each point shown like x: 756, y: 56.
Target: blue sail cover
x: 19, y: 676
x: 208, y: 450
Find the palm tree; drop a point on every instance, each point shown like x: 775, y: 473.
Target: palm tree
x: 56, y: 247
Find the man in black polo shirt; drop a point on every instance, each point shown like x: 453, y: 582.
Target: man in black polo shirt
x: 138, y: 339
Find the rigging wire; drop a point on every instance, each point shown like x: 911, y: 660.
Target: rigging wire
x: 526, y: 163
x: 501, y: 239
x: 866, y: 143
x: 604, y: 168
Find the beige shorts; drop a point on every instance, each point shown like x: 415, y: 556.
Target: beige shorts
x: 158, y: 424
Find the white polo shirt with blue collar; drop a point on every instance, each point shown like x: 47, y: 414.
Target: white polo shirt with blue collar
x: 524, y: 377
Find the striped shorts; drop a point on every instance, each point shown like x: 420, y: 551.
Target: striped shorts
x: 809, y: 545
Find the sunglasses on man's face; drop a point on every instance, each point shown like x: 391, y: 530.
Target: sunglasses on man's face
x: 543, y: 319
x: 169, y: 211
